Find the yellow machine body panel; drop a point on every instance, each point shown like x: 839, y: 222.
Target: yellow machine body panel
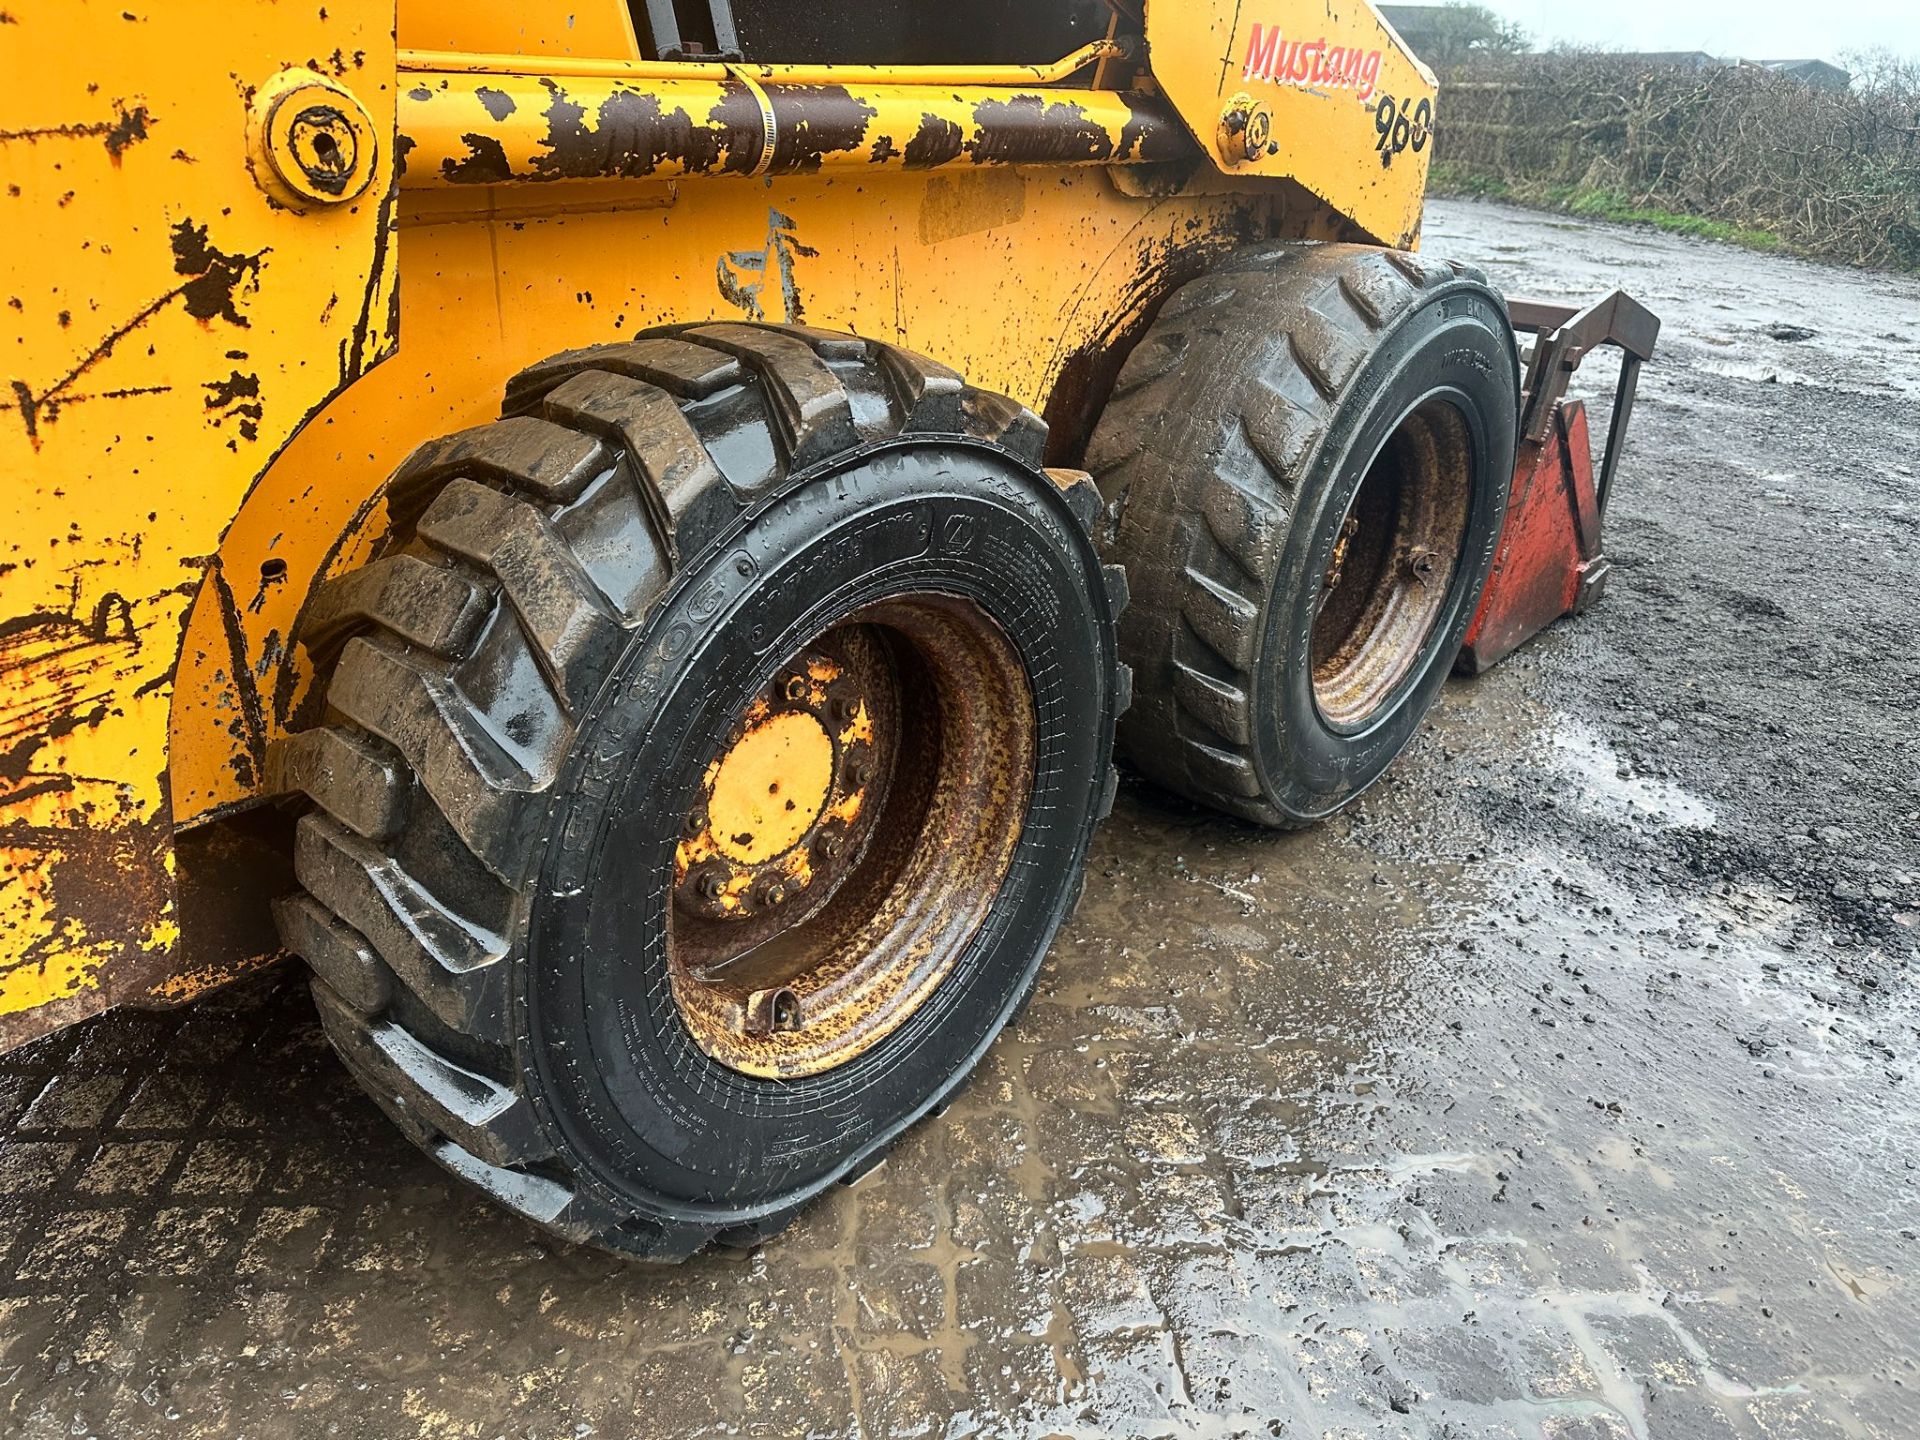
x: 256, y: 256
x: 172, y: 326
x: 1324, y: 94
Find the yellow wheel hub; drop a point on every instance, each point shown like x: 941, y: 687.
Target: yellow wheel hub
x: 771, y: 788
x: 850, y: 836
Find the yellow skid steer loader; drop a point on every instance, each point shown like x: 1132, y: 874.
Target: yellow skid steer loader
x: 624, y: 534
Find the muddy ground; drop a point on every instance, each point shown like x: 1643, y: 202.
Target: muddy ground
x: 1568, y: 1088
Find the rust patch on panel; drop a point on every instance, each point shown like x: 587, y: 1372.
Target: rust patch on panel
x: 1032, y: 129
x: 816, y: 121
x: 633, y: 135
x: 937, y: 141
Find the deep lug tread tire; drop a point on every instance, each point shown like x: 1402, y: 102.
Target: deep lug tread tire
x: 532, y: 549
x: 1218, y: 423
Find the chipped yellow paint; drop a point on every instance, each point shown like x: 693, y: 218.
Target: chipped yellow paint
x: 66, y: 969
x: 171, y: 328
x: 70, y: 959
x: 464, y: 130
x: 190, y: 984
x: 846, y: 809
x: 859, y: 730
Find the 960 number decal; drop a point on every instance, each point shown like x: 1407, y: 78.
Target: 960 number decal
x: 1403, y: 125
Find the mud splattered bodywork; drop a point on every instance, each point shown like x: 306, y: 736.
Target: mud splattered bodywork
x: 198, y: 419
x: 484, y: 130
x: 174, y: 327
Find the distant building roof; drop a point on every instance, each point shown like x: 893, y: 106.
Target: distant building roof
x: 1447, y: 33
x: 1817, y: 73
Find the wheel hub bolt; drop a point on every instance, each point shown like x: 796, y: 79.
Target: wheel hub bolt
x: 796, y: 687
x: 710, y: 886
x: 845, y: 710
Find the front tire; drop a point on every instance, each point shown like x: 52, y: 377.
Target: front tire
x: 709, y: 764
x: 1309, y: 456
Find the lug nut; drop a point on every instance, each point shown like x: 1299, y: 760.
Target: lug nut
x: 845, y: 710
x: 696, y: 822
x: 856, y: 773
x: 709, y: 886
x: 796, y: 687
x: 827, y: 848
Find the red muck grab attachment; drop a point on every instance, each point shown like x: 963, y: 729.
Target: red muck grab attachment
x: 1552, y: 560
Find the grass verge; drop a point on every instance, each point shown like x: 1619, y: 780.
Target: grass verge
x: 1595, y: 204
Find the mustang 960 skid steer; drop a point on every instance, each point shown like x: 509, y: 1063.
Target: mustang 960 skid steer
x: 621, y: 533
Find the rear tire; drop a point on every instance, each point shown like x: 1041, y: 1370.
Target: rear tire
x: 1307, y: 460
x: 774, y: 549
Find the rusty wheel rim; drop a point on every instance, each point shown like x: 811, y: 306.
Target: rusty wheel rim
x: 851, y: 833
x: 1393, y: 566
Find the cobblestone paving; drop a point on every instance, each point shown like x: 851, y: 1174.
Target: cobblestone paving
x: 1477, y: 1115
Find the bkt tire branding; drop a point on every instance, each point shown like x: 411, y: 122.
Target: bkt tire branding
x: 1311, y: 64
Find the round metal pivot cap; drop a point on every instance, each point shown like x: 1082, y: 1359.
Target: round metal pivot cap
x: 317, y: 139
x: 1246, y: 130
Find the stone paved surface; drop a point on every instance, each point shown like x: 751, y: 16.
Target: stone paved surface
x: 1506, y: 1107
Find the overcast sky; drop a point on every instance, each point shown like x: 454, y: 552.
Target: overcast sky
x: 1753, y: 29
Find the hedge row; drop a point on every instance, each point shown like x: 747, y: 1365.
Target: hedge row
x: 1834, y: 174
